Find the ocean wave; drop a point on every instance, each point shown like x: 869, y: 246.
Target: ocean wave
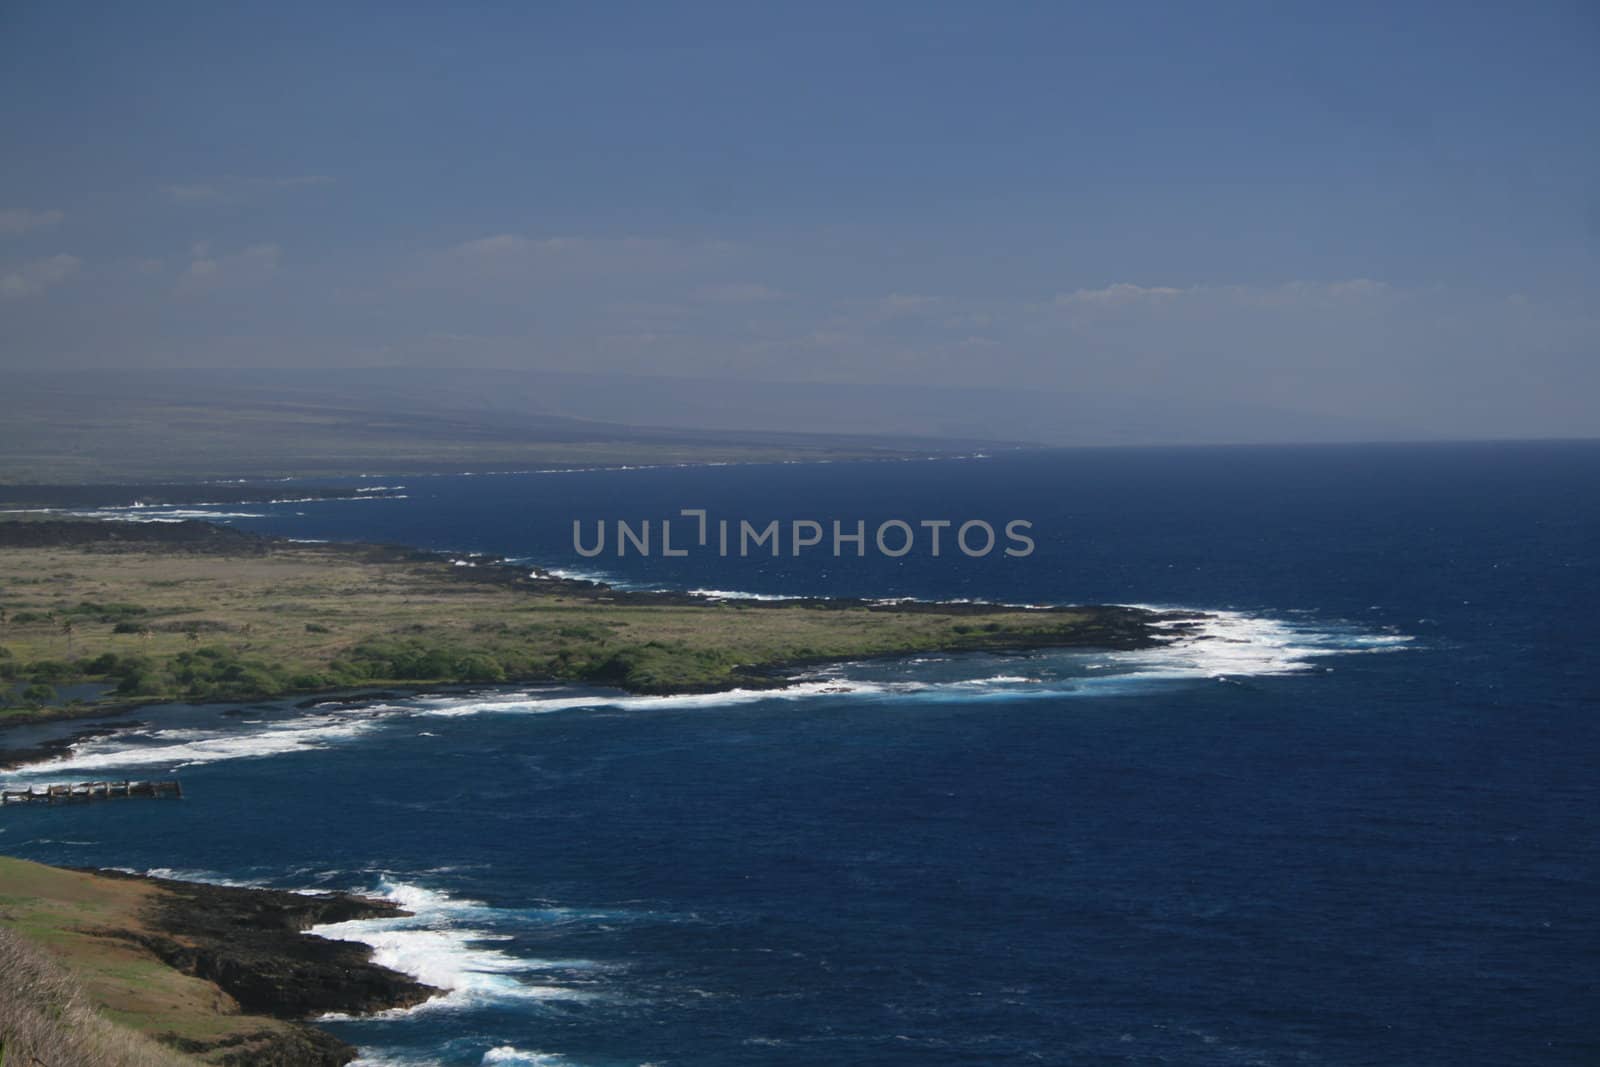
x: 496, y: 1056
x: 451, y: 944
x: 1224, y: 644
x: 180, y: 748
x: 1220, y: 645
x: 146, y: 513
x: 573, y: 574
x: 735, y: 594
x: 210, y: 511
x: 511, y: 1055
x: 179, y: 874
x: 333, y: 499
x: 891, y: 601
x: 530, y: 703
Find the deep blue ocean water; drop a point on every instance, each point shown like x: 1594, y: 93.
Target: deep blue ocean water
x: 1358, y: 824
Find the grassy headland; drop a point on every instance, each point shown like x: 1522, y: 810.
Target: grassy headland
x: 124, y: 971
x: 198, y: 612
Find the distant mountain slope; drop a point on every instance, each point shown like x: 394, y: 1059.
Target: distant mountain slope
x: 119, y: 425
x: 122, y: 426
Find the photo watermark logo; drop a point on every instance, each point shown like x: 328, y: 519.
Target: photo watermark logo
x: 893, y: 538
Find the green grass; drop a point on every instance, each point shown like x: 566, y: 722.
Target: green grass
x: 74, y: 992
x: 158, y: 624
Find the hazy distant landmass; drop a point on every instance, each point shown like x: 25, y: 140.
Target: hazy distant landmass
x: 121, y: 425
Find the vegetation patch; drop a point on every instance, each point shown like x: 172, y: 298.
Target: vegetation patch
x: 126, y: 615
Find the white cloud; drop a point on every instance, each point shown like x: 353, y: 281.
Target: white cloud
x: 1115, y: 295
x: 34, y: 277
x: 251, y: 265
x: 737, y: 293
x: 512, y: 265
x: 237, y: 190
x: 1291, y: 294
x: 905, y: 304
x: 499, y: 245
x: 21, y: 220
x: 1357, y: 287
x: 1126, y: 295
x: 621, y: 250
x: 885, y: 310
x: 194, y: 194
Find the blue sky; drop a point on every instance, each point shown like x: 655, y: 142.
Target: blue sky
x: 1360, y: 209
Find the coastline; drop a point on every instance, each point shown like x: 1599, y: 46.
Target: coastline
x: 432, y: 620
x: 248, y: 946
x: 225, y: 974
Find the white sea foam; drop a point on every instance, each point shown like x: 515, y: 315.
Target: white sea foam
x: 531, y: 703
x: 187, y: 875
x: 891, y: 601
x: 735, y: 594
x: 1218, y: 645
x: 511, y: 1055
x: 146, y: 513
x: 1224, y: 644
x: 572, y: 574
x: 188, y: 748
x: 498, y: 1056
x: 443, y: 944
x: 334, y: 499
x: 141, y: 512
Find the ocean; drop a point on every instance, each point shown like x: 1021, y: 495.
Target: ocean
x: 1356, y: 820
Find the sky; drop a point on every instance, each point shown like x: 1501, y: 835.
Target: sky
x: 1378, y: 211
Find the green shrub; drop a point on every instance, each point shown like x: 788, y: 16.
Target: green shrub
x: 38, y: 694
x: 145, y: 681
x: 658, y: 667
x: 106, y: 612
x: 480, y: 668
x: 50, y: 670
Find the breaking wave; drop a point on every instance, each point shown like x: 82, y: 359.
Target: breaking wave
x: 459, y: 947
x: 1220, y: 645
x: 145, y: 513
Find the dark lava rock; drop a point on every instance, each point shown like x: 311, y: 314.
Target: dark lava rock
x: 252, y: 944
x: 188, y: 534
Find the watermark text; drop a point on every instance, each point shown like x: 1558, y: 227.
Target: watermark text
x: 693, y: 530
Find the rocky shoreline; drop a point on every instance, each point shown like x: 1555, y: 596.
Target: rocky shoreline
x: 50, y: 497
x: 1111, y: 627
x: 252, y: 944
